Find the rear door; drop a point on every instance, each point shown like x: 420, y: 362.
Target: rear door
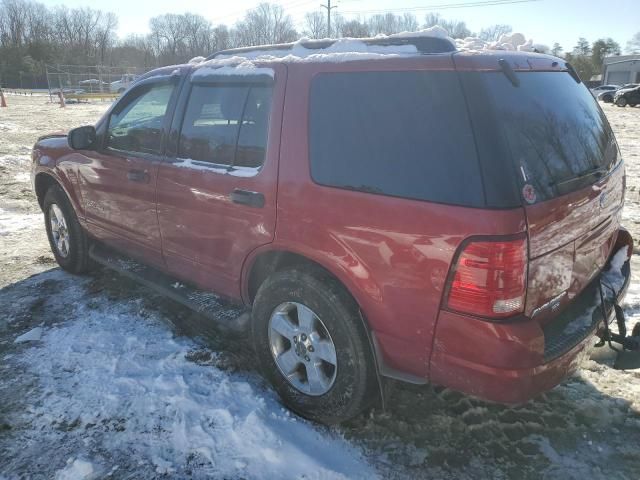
x: 217, y: 187
x: 566, y: 164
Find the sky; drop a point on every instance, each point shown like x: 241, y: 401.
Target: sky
x: 545, y: 21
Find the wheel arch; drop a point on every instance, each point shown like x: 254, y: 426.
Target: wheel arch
x: 266, y: 262
x: 42, y: 183
x: 44, y: 180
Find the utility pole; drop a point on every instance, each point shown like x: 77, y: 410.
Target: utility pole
x: 329, y: 8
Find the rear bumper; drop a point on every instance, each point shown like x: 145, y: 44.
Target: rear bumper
x: 512, y: 363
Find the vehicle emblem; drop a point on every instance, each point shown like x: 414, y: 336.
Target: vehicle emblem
x: 529, y: 193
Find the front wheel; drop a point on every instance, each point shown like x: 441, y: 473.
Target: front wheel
x: 67, y: 240
x: 312, y: 346
x: 621, y: 102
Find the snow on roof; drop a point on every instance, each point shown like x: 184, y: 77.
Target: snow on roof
x: 432, y: 32
x: 511, y: 42
x: 349, y: 49
x: 343, y: 49
x: 234, y: 65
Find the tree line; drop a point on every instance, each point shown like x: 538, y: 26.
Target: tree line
x: 32, y: 35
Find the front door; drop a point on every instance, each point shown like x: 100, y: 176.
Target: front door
x: 217, y: 189
x: 118, y: 181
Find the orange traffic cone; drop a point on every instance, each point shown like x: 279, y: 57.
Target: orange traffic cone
x: 3, y: 102
x: 62, y: 104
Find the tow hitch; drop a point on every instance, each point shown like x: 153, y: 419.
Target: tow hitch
x: 629, y: 354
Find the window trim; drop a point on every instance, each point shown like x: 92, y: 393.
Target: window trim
x: 166, y: 122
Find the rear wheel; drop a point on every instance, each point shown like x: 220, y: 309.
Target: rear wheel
x: 312, y: 346
x: 607, y: 98
x: 632, y: 104
x: 67, y: 240
x: 621, y: 102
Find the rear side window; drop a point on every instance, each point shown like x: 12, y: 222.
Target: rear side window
x: 404, y: 134
x: 226, y: 125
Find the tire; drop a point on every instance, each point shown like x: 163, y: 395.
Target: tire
x: 121, y: 91
x: 350, y: 385
x: 632, y: 104
x: 607, y: 99
x: 621, y: 102
x: 73, y: 258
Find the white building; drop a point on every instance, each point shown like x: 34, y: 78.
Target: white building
x: 621, y: 69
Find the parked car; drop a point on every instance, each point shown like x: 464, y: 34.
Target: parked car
x: 92, y: 81
x: 119, y: 86
x: 627, y: 96
x: 603, y: 90
x: 368, y: 217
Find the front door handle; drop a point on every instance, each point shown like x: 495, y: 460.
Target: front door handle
x: 138, y: 176
x: 245, y: 197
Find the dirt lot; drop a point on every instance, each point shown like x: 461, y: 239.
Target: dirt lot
x: 114, y: 381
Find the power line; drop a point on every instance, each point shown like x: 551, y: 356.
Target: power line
x: 443, y: 6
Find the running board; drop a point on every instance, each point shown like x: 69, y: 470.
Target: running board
x: 229, y: 317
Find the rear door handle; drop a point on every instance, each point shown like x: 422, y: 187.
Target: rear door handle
x: 245, y: 197
x: 138, y: 176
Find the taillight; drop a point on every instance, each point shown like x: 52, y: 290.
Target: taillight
x: 490, y: 278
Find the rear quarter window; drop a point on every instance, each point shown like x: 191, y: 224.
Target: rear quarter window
x: 403, y: 134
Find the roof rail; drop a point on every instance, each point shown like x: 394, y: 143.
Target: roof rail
x: 424, y: 45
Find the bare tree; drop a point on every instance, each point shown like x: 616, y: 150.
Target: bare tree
x: 633, y: 45
x: 351, y: 28
x: 315, y: 25
x: 265, y: 24
x: 494, y: 32
x: 390, y: 23
x: 456, y: 28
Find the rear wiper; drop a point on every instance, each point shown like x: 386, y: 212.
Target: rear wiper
x: 573, y: 73
x: 597, y: 172
x: 508, y: 72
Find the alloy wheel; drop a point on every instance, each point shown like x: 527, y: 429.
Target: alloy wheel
x: 59, y: 230
x: 302, y: 348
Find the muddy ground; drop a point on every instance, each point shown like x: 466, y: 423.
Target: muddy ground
x: 121, y: 383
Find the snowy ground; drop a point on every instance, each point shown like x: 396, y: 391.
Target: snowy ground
x: 101, y: 378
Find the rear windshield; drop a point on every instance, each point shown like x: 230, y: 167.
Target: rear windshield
x: 404, y: 134
x: 549, y: 125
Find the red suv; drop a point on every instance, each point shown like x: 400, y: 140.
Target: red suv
x: 407, y: 211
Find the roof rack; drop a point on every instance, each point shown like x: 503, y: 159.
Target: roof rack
x: 424, y: 45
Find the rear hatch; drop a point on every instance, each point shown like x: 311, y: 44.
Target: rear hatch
x: 562, y: 159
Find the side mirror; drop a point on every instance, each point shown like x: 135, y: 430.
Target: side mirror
x: 82, y: 138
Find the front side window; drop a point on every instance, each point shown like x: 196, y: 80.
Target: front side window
x: 136, y: 125
x: 226, y: 125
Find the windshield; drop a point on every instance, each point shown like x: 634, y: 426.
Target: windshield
x: 550, y: 126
